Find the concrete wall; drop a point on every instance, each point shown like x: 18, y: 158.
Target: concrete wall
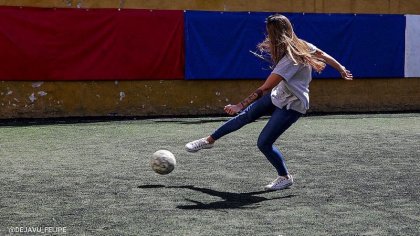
x: 317, y: 6
x: 30, y: 99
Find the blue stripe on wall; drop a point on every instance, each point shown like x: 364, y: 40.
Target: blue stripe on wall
x: 218, y: 44
x: 368, y: 45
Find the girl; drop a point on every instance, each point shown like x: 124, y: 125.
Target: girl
x: 284, y: 95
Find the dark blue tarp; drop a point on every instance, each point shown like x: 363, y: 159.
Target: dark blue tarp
x: 218, y: 44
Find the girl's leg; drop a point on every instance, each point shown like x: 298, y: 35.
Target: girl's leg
x: 254, y: 111
x: 261, y: 107
x: 279, y: 122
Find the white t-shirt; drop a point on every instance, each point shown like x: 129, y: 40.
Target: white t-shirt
x: 293, y: 91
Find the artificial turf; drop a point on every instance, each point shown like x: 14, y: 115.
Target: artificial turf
x: 354, y: 175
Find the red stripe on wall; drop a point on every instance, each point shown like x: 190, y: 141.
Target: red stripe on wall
x: 93, y: 44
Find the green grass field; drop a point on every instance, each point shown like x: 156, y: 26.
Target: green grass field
x: 354, y: 175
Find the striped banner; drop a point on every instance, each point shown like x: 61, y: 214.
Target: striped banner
x: 135, y: 44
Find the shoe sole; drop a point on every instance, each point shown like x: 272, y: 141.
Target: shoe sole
x: 192, y: 150
x: 275, y: 189
x: 189, y: 150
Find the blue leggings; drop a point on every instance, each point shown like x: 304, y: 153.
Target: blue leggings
x: 280, y: 121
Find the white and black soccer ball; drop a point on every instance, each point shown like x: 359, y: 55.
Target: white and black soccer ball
x: 163, y: 162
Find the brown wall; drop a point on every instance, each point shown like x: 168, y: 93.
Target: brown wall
x: 175, y: 97
x: 27, y: 99
x: 316, y: 6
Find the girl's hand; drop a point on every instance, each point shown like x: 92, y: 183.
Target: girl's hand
x: 233, y: 109
x: 346, y: 74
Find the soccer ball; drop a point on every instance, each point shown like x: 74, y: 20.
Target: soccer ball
x: 163, y: 162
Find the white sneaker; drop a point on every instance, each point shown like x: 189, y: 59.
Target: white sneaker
x: 197, y: 145
x: 280, y: 183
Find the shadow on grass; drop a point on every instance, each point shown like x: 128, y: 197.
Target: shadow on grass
x: 230, y: 200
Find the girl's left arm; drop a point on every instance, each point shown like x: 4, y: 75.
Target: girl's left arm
x: 345, y: 74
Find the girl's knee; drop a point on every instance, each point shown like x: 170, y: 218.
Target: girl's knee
x: 263, y: 146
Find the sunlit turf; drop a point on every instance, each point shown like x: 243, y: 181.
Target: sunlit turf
x: 354, y: 175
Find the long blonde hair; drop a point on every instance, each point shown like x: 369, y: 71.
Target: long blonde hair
x: 281, y: 40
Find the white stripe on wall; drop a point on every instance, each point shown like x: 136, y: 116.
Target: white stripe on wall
x: 412, y: 46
